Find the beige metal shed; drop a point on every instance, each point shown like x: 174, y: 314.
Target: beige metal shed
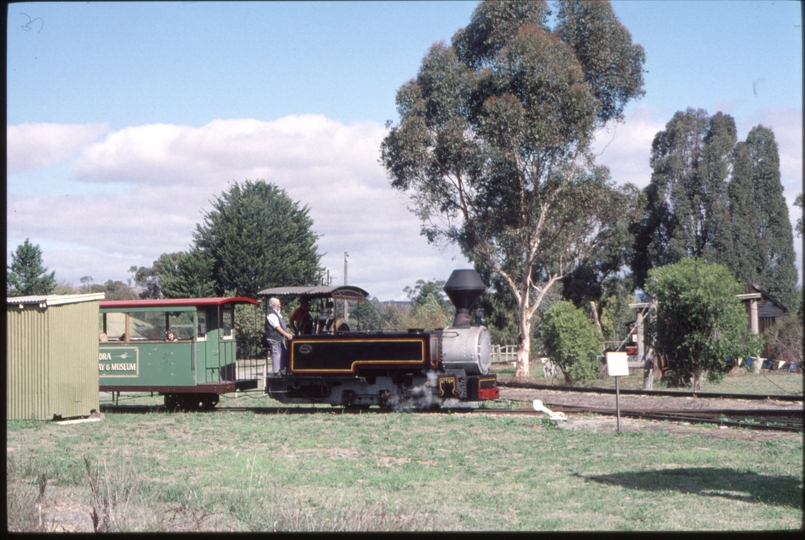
x: 52, y: 356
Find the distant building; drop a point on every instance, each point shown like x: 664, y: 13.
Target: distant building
x: 762, y: 310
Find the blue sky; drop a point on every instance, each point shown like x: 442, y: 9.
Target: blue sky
x: 125, y: 119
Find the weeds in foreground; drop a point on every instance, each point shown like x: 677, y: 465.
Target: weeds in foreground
x: 121, y: 502
x: 403, y: 472
x: 23, y: 501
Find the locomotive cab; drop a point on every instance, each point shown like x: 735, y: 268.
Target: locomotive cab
x: 411, y: 369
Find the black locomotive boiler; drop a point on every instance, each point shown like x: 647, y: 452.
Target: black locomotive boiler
x: 413, y: 369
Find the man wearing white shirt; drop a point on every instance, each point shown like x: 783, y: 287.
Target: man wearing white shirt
x: 276, y: 334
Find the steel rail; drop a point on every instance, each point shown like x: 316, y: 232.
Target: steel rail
x: 784, y: 419
x: 752, y: 419
x: 658, y: 393
x: 749, y: 423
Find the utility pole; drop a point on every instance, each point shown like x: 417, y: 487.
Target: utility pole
x: 346, y: 305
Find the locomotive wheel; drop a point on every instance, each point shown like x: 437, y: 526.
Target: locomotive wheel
x: 353, y: 407
x: 199, y: 402
x: 208, y: 401
x: 171, y: 402
x: 191, y: 402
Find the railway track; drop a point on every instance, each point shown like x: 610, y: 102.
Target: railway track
x: 759, y: 419
x: 756, y: 419
x: 658, y: 393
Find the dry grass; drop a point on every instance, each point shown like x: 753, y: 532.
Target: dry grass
x: 399, y: 472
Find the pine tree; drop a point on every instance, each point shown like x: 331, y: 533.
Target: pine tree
x: 720, y: 200
x: 778, y: 274
x: 26, y: 275
x: 683, y: 193
x: 186, y: 275
x: 257, y: 237
x: 714, y: 171
x: 747, y: 262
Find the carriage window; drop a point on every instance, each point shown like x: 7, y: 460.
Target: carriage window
x: 202, y: 325
x: 181, y: 324
x: 147, y: 326
x: 114, y: 326
x: 226, y: 322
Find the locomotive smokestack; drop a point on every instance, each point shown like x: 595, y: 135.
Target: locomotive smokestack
x: 463, y: 288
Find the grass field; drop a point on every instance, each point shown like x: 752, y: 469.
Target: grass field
x: 397, y: 472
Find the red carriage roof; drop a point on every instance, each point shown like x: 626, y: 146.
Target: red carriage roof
x: 167, y: 302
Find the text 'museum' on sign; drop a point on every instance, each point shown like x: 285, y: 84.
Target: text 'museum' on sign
x: 118, y: 362
x: 617, y: 364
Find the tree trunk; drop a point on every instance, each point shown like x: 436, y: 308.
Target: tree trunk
x: 595, y: 317
x: 648, y: 375
x: 696, y: 382
x: 523, y: 358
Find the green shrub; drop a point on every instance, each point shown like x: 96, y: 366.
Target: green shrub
x: 572, y: 342
x: 700, y: 322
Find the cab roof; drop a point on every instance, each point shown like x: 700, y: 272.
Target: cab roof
x: 342, y: 292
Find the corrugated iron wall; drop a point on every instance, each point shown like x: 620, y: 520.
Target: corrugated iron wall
x: 73, y: 353
x: 27, y: 371
x: 52, y: 361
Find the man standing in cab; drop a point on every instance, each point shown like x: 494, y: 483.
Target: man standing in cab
x: 276, y: 334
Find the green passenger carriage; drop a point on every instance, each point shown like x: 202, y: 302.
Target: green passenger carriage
x: 183, y: 349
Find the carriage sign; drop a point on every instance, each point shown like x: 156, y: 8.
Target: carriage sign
x: 118, y: 362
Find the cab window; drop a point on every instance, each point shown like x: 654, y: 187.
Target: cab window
x: 227, y: 318
x: 114, y: 326
x: 147, y: 326
x: 181, y: 324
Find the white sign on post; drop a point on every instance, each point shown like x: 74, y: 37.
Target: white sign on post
x: 617, y: 364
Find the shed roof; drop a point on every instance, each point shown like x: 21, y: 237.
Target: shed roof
x: 341, y: 292
x: 167, y: 302
x: 53, y: 299
x: 768, y: 296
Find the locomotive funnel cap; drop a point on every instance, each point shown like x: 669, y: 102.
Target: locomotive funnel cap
x: 463, y: 288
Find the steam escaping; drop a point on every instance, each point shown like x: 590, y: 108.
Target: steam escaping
x: 424, y: 396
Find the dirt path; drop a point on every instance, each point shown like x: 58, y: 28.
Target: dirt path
x: 608, y: 423
x: 642, y: 402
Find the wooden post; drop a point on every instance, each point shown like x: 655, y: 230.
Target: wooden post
x: 618, y: 402
x: 753, y: 320
x: 648, y: 375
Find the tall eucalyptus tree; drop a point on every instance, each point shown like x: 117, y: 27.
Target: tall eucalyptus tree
x: 494, y: 139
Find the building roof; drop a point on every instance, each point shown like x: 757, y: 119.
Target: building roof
x: 769, y: 297
x: 53, y: 299
x: 167, y: 302
x: 341, y: 292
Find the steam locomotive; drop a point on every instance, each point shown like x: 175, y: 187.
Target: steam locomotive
x: 394, y: 370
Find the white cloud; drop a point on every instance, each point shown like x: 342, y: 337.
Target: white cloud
x: 158, y: 179
x: 167, y: 175
x: 626, y: 148
x: 31, y: 146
